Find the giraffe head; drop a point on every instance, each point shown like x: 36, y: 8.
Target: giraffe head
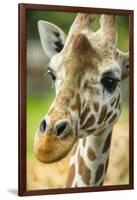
x: 87, y: 70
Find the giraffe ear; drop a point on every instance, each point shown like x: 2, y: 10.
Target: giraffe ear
x: 123, y: 60
x: 52, y: 38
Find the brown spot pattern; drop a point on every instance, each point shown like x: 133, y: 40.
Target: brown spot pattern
x: 117, y: 101
x: 91, y: 154
x: 71, y: 93
x: 90, y: 121
x: 76, y: 129
x: 99, y: 172
x: 70, y: 176
x: 78, y: 101
x: 113, y: 102
x: 120, y: 106
x: 83, y: 170
x: 102, y: 114
x: 106, y: 166
x: 85, y: 85
x: 101, y: 183
x: 107, y: 143
x: 96, y: 106
x: 90, y: 131
x: 83, y: 104
x: 108, y: 115
x: 84, y: 114
x: 112, y: 118
x: 99, y: 133
x: 74, y: 106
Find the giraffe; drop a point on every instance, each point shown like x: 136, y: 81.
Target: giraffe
x: 87, y: 69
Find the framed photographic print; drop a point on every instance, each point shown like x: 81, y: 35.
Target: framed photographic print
x: 75, y: 99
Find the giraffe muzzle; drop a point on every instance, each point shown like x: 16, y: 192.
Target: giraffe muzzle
x: 53, y: 139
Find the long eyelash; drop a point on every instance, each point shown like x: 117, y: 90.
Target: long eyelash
x: 49, y: 69
x: 53, y: 84
x: 53, y: 76
x: 57, y: 77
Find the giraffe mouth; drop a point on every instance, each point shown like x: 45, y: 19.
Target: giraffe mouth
x: 48, y: 148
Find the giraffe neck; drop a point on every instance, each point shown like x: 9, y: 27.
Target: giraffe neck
x: 88, y: 164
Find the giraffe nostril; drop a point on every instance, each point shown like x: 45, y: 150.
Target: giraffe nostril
x: 62, y: 128
x: 42, y: 126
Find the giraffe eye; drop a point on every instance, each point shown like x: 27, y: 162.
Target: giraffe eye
x: 53, y: 77
x: 109, y: 83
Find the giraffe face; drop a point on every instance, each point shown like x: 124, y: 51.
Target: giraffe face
x: 87, y: 78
